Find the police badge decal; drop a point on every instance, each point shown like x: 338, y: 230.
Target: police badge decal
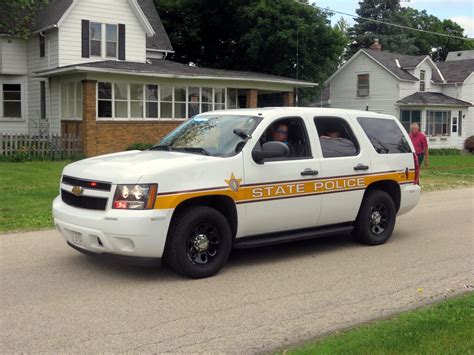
x: 233, y: 182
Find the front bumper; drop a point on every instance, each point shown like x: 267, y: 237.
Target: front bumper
x: 113, y: 232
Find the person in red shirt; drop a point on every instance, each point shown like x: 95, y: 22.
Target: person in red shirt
x: 420, y: 143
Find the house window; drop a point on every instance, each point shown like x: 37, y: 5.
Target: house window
x: 136, y: 100
x: 460, y: 124
x: 152, y: 101
x: 455, y: 125
x: 95, y: 39
x: 219, y: 99
x: 71, y: 100
x: 407, y: 117
x: 42, y: 45
x: 12, y: 100
x: 124, y: 100
x: 166, y: 101
x: 206, y: 98
x: 438, y: 123
x: 422, y: 80
x: 179, y: 102
x: 121, y: 100
x: 104, y: 106
x: 232, y: 99
x: 363, y: 85
x: 43, y: 99
x: 194, y: 101
x: 111, y: 41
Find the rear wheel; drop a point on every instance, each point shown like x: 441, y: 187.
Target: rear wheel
x: 199, y: 242
x: 376, y: 219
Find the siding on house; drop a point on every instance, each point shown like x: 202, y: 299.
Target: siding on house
x: 36, y: 125
x: 383, y: 87
x: 13, y: 56
x: 105, y: 11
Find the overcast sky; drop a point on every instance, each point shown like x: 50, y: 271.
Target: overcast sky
x: 461, y: 11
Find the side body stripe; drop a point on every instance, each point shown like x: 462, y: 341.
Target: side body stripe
x: 286, y: 189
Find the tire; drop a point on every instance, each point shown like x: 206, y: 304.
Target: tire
x: 376, y: 204
x: 199, y: 242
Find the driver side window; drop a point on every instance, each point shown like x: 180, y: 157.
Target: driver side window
x: 290, y: 131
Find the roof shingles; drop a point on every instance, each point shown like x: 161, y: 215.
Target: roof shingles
x: 161, y: 67
x: 432, y: 98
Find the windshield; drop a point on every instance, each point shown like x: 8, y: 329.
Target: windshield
x: 219, y: 135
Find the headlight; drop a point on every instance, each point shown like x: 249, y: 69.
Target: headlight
x: 135, y: 197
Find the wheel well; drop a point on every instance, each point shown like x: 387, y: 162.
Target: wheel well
x: 389, y: 186
x: 223, y: 204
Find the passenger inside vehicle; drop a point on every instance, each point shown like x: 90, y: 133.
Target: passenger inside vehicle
x: 336, y: 138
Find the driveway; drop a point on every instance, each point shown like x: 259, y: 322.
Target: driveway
x: 54, y: 299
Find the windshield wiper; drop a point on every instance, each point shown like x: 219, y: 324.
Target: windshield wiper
x: 198, y: 150
x: 161, y: 147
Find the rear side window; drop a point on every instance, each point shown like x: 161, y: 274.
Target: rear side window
x: 385, y: 135
x: 336, y: 137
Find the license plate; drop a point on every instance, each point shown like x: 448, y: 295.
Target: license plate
x: 76, y: 238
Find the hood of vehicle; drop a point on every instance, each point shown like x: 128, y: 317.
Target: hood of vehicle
x: 130, y: 166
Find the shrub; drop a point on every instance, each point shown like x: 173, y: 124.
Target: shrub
x: 469, y: 144
x: 445, y: 151
x: 139, y: 146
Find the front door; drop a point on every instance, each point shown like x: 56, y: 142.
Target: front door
x: 278, y: 193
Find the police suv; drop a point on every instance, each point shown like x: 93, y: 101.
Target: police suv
x: 238, y: 179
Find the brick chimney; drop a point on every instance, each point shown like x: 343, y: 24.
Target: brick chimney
x: 376, y: 45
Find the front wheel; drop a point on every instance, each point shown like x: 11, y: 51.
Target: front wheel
x: 376, y: 219
x: 199, y: 242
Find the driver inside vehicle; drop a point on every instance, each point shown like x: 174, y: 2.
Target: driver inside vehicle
x: 280, y: 134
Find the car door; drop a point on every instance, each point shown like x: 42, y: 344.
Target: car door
x: 343, y: 162
x: 278, y: 194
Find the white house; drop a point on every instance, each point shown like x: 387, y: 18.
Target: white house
x: 438, y: 96
x: 99, y: 68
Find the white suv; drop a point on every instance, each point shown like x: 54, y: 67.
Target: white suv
x: 239, y: 179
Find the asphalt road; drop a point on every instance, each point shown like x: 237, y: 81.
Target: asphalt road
x: 54, y: 299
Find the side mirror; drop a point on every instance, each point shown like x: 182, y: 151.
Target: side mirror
x: 270, y: 150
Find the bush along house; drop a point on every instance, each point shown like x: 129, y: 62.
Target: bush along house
x: 99, y: 69
x: 439, y: 96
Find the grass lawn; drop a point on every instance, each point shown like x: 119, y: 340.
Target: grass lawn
x: 27, y: 189
x: 444, y: 328
x: 445, y: 172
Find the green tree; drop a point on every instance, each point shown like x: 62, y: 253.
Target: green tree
x: 17, y: 16
x: 364, y: 32
x: 255, y: 35
x: 395, y: 39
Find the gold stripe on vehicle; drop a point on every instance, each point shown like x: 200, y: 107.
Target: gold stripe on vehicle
x: 262, y: 192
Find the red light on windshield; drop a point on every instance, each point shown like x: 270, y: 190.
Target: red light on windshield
x: 93, y: 184
x: 120, y: 204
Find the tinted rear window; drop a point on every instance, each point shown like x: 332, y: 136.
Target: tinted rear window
x: 385, y: 135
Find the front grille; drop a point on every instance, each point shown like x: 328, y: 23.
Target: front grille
x: 87, y: 202
x: 90, y: 184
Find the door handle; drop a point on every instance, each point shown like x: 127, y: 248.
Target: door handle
x: 309, y: 172
x: 361, y: 167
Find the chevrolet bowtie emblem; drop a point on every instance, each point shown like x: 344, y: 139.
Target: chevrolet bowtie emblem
x: 77, y: 190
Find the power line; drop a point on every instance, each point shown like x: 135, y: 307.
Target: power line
x: 389, y: 23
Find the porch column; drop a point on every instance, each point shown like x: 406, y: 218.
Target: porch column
x: 252, y: 98
x: 89, y: 119
x: 288, y: 99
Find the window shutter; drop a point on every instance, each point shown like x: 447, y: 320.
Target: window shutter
x: 121, y: 41
x: 85, y: 39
